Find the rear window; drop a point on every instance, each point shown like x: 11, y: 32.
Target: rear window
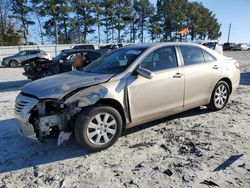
x: 192, y: 55
x: 208, y: 57
x: 211, y: 45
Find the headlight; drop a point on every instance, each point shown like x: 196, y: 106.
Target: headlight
x: 49, y: 107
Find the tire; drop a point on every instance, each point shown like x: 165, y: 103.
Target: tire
x: 46, y: 73
x: 13, y: 63
x: 220, y: 96
x: 93, y: 132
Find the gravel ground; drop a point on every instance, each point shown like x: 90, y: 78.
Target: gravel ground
x: 186, y: 150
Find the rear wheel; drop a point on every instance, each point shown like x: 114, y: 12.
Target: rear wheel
x: 98, y: 128
x: 13, y: 63
x: 219, y: 96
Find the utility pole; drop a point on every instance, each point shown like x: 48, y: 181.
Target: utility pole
x: 229, y: 33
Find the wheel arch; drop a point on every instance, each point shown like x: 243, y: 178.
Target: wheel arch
x: 116, y: 105
x: 228, y: 81
x: 13, y: 60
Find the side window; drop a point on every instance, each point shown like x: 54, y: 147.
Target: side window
x: 208, y: 57
x: 23, y: 53
x: 211, y: 45
x: 72, y: 57
x: 33, y: 52
x: 160, y: 59
x: 92, y: 55
x: 192, y: 55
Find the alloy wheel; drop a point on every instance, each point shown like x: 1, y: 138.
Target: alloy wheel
x: 101, y: 129
x: 220, y: 96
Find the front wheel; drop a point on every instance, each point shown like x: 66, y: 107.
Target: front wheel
x: 219, y: 96
x: 98, y: 128
x: 13, y: 63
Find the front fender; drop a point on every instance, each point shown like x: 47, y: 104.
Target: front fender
x: 87, y: 96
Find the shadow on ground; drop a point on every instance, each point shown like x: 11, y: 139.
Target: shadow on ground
x: 228, y: 162
x: 18, y: 152
x: 12, y: 85
x: 189, y: 113
x: 245, y: 78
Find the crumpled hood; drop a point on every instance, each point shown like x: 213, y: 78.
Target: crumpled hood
x: 57, y: 86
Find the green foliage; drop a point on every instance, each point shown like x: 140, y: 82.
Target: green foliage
x: 75, y: 21
x: 175, y: 15
x: 144, y: 10
x: 8, y: 33
x: 21, y: 12
x: 58, y: 14
x: 84, y: 20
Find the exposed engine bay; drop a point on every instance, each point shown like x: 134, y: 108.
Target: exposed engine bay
x: 54, y: 117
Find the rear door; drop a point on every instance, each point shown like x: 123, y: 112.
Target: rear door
x: 24, y: 55
x: 201, y: 71
x: 33, y: 54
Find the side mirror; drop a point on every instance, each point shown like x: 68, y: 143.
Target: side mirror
x: 145, y: 73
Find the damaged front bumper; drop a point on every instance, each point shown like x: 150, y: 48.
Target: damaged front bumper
x: 40, y: 119
x: 23, y: 107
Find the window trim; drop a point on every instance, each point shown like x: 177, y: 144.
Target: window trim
x: 181, y: 56
x: 215, y: 59
x: 163, y: 70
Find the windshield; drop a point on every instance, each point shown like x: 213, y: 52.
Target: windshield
x: 114, y: 62
x: 59, y: 57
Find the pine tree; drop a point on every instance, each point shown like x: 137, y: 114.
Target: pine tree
x: 21, y: 12
x: 144, y: 10
x: 57, y: 12
x: 8, y: 33
x: 84, y: 10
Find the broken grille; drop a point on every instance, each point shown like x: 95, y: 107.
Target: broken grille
x: 20, y: 105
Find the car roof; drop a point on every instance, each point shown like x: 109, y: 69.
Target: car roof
x: 29, y: 50
x: 204, y: 41
x: 150, y: 45
x: 79, y: 50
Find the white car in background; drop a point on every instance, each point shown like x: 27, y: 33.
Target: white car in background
x: 241, y: 47
x: 212, y: 44
x: 25, y: 55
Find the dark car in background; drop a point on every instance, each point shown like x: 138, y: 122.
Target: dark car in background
x: 26, y: 55
x: 84, y: 46
x: 228, y: 46
x: 61, y: 63
x: 112, y: 46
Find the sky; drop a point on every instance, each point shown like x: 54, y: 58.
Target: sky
x: 234, y: 12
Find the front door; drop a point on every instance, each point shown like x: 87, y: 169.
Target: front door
x: 163, y: 93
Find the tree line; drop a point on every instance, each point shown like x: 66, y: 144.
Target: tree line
x: 83, y: 21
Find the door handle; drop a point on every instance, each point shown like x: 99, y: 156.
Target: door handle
x: 215, y: 67
x: 177, y: 75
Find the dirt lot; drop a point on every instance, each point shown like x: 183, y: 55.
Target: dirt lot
x: 180, y: 151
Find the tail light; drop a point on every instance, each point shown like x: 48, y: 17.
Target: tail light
x: 237, y: 65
